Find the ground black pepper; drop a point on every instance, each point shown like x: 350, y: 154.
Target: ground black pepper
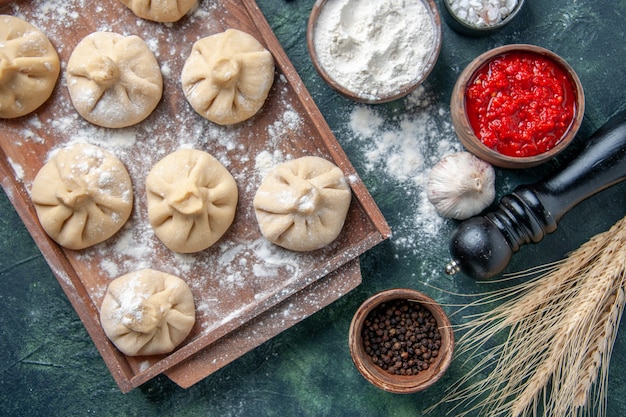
x: 402, y: 337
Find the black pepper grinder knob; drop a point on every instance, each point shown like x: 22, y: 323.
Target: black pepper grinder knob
x: 482, y: 246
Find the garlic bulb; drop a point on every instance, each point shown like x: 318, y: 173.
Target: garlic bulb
x: 461, y: 186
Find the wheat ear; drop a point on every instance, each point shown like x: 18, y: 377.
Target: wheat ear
x: 558, y: 329
x: 594, y: 366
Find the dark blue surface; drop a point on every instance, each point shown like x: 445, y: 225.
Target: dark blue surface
x: 49, y: 365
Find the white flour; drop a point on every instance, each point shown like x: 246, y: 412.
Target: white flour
x: 404, y: 152
x: 374, y: 48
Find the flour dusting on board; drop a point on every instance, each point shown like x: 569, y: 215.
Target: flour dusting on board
x: 241, y: 267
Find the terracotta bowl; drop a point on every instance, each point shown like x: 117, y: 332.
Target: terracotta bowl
x: 463, y: 27
x: 381, y: 378
x: 465, y: 132
x: 363, y: 96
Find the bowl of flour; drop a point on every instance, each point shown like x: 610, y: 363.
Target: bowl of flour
x: 374, y: 52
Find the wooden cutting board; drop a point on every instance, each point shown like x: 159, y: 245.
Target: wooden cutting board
x: 241, y: 282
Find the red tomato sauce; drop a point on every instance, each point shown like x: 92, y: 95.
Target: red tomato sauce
x: 520, y: 104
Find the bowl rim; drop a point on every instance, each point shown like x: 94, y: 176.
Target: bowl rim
x: 368, y: 98
x: 401, y: 384
x: 464, y: 130
x: 484, y: 29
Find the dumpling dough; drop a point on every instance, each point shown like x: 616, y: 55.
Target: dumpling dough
x: 160, y: 10
x: 29, y: 67
x: 192, y: 200
x: 114, y: 81
x: 228, y: 76
x: 302, y: 204
x: 83, y: 195
x: 147, y: 312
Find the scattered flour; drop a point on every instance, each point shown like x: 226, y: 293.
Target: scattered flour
x: 266, y: 160
x: 404, y: 153
x: 17, y: 169
x: 249, y: 270
x: 228, y: 265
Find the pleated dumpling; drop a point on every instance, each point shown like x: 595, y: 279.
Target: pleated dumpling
x: 192, y: 199
x: 160, y: 10
x: 83, y: 195
x: 114, y: 80
x: 147, y: 312
x: 228, y: 76
x: 302, y: 204
x: 29, y: 67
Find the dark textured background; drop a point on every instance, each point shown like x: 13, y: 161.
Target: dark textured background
x: 49, y: 365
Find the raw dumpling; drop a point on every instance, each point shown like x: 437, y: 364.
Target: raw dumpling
x: 83, y: 195
x: 228, y: 76
x: 147, y: 312
x: 114, y: 81
x: 302, y: 204
x: 192, y: 200
x: 160, y: 10
x: 29, y: 67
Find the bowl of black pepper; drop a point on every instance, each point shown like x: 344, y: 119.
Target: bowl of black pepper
x: 401, y: 340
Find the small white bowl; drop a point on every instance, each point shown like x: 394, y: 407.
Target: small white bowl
x: 465, y: 28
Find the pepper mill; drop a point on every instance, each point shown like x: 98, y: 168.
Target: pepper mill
x: 482, y: 246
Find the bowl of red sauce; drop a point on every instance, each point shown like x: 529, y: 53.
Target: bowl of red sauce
x: 517, y: 106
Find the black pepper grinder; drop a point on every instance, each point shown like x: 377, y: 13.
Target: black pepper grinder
x: 482, y: 246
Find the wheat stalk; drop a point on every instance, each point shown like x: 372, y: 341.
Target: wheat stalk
x: 600, y: 348
x: 558, y: 332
